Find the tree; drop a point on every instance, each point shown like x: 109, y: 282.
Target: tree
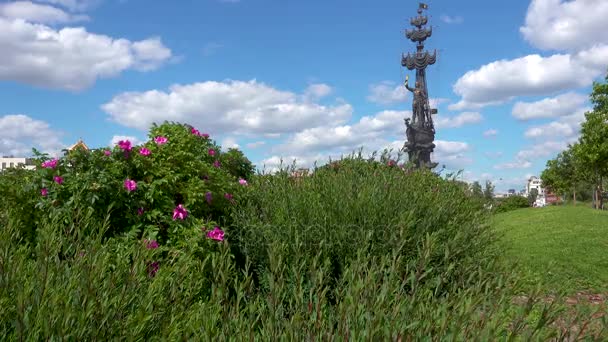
x: 594, y: 139
x: 565, y: 172
x: 476, y: 190
x: 532, y: 196
x: 488, y: 191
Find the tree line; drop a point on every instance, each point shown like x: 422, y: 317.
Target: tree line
x: 584, y: 164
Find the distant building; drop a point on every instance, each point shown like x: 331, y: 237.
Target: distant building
x: 11, y: 161
x: 79, y: 144
x: 535, y: 183
x: 511, y: 192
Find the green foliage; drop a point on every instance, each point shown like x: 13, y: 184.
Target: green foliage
x: 476, y: 190
x: 586, y: 161
x: 181, y: 171
x: 532, y: 196
x: 101, y: 289
x: 355, y: 204
x: 488, y: 191
x: 512, y: 203
x: 237, y: 164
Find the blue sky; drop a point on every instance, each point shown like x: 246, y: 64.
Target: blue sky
x: 303, y: 79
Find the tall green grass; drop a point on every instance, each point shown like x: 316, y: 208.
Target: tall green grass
x: 365, y: 254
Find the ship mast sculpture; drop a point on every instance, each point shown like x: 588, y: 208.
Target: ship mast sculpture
x: 420, y: 131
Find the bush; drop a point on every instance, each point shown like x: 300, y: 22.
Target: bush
x: 166, y: 189
x: 512, y: 203
x: 368, y: 251
x: 355, y: 204
x: 105, y: 290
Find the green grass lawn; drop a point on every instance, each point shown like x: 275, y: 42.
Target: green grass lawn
x: 561, y: 248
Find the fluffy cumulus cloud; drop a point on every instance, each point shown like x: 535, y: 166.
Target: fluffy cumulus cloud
x: 20, y: 133
x: 387, y: 93
x: 73, y: 5
x: 451, y: 19
x: 452, y: 154
x: 525, y: 158
x: 503, y: 80
x: 550, y: 24
x: 562, y: 105
x: 237, y: 107
x: 566, y: 127
x: 369, y: 132
x: 490, y: 133
x: 39, y: 13
x: 459, y: 120
x: 70, y: 58
x: 315, y: 92
x: 566, y: 25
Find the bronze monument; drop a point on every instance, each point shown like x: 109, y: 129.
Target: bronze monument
x: 420, y: 131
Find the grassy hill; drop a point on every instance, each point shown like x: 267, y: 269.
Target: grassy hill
x: 562, y: 248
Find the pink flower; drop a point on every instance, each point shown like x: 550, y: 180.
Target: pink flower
x: 160, y: 140
x: 205, y: 135
x: 180, y: 212
x: 211, y: 152
x: 107, y: 153
x: 153, y: 268
x: 140, y: 211
x: 58, y: 179
x: 229, y: 197
x: 130, y: 185
x: 217, y: 164
x: 391, y: 163
x: 242, y: 181
x: 195, y: 131
x: 144, y: 151
x: 44, y: 192
x: 208, y: 197
x: 216, y: 234
x: 125, y: 145
x: 49, y: 164
x: 151, y: 244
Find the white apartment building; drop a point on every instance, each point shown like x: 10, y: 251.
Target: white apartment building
x: 535, y: 183
x: 10, y: 161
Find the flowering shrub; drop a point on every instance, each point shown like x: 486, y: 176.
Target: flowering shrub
x: 164, y: 190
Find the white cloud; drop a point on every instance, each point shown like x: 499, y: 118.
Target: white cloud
x: 564, y: 104
x: 369, y: 132
x: 451, y: 19
x: 553, y: 129
x: 315, y: 92
x: 458, y: 120
x: 20, y: 133
x: 567, y: 127
x: 566, y: 25
x: 502, y: 80
x: 543, y: 149
x: 70, y: 58
x: 490, y: 133
x: 134, y: 140
x: 255, y: 144
x: 229, y: 142
x: 38, y: 13
x: 73, y: 5
x: 387, y: 93
x: 452, y: 154
x: 234, y: 107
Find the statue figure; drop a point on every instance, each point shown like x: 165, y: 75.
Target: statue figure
x: 419, y: 101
